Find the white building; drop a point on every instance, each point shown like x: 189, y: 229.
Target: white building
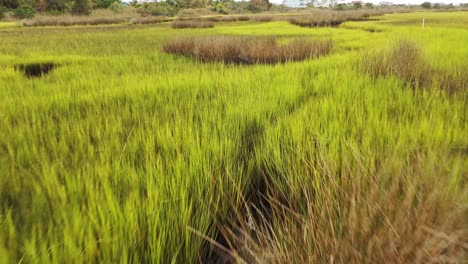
x: 385, y: 4
x: 324, y: 3
x: 295, y: 3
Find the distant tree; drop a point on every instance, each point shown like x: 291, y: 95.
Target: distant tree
x: 426, y: 5
x: 436, y: 6
x: 117, y: 7
x: 259, y: 5
x: 157, y: 9
x: 10, y: 4
x: 81, y: 7
x: 220, y: 7
x: 357, y: 5
x: 34, y: 3
x: 2, y: 11
x: 56, y: 5
x: 341, y: 7
x: 25, y: 11
x: 236, y: 7
x: 369, y: 5
x: 104, y: 3
x: 188, y: 3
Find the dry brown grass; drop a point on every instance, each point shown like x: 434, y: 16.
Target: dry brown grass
x: 404, y: 214
x: 405, y: 61
x: 228, y: 19
x: 68, y: 20
x: 213, y: 18
x: 329, y: 18
x: 243, y: 18
x: 97, y: 17
x: 192, y: 23
x: 262, y: 18
x: 148, y: 20
x: 247, y: 50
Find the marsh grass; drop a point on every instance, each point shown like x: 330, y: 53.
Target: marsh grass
x: 248, y: 50
x: 148, y: 20
x: 262, y: 18
x: 406, y: 61
x: 243, y: 18
x: 128, y: 154
x: 398, y: 219
x: 191, y: 23
x: 331, y: 18
x: 68, y: 20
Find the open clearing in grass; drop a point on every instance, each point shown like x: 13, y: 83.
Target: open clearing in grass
x: 127, y: 154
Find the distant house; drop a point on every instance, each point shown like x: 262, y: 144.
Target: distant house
x: 385, y: 4
x: 295, y: 3
x: 341, y: 2
x: 316, y: 3
x: 324, y: 3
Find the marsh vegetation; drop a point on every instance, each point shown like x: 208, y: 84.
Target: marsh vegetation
x: 250, y: 142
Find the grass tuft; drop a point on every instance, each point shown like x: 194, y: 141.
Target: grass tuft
x: 192, y: 23
x: 330, y: 18
x: 262, y: 18
x: 71, y: 21
x: 148, y: 20
x: 405, y: 61
x: 247, y: 50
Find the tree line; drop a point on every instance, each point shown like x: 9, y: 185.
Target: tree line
x: 28, y: 8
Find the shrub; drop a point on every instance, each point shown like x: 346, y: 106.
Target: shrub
x: 25, y: 11
x: 162, y: 9
x: 247, y: 50
x: 257, y: 6
x: 157, y: 9
x: 104, y: 3
x: 58, y: 6
x: 426, y: 5
x: 357, y: 5
x: 81, y: 7
x: 234, y: 7
x: 192, y: 23
x: 117, y: 7
x: 2, y: 12
x: 220, y: 8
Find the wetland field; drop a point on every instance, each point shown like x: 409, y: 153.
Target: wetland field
x: 247, y: 141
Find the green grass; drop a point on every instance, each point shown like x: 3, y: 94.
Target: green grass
x: 122, y: 151
x: 9, y: 24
